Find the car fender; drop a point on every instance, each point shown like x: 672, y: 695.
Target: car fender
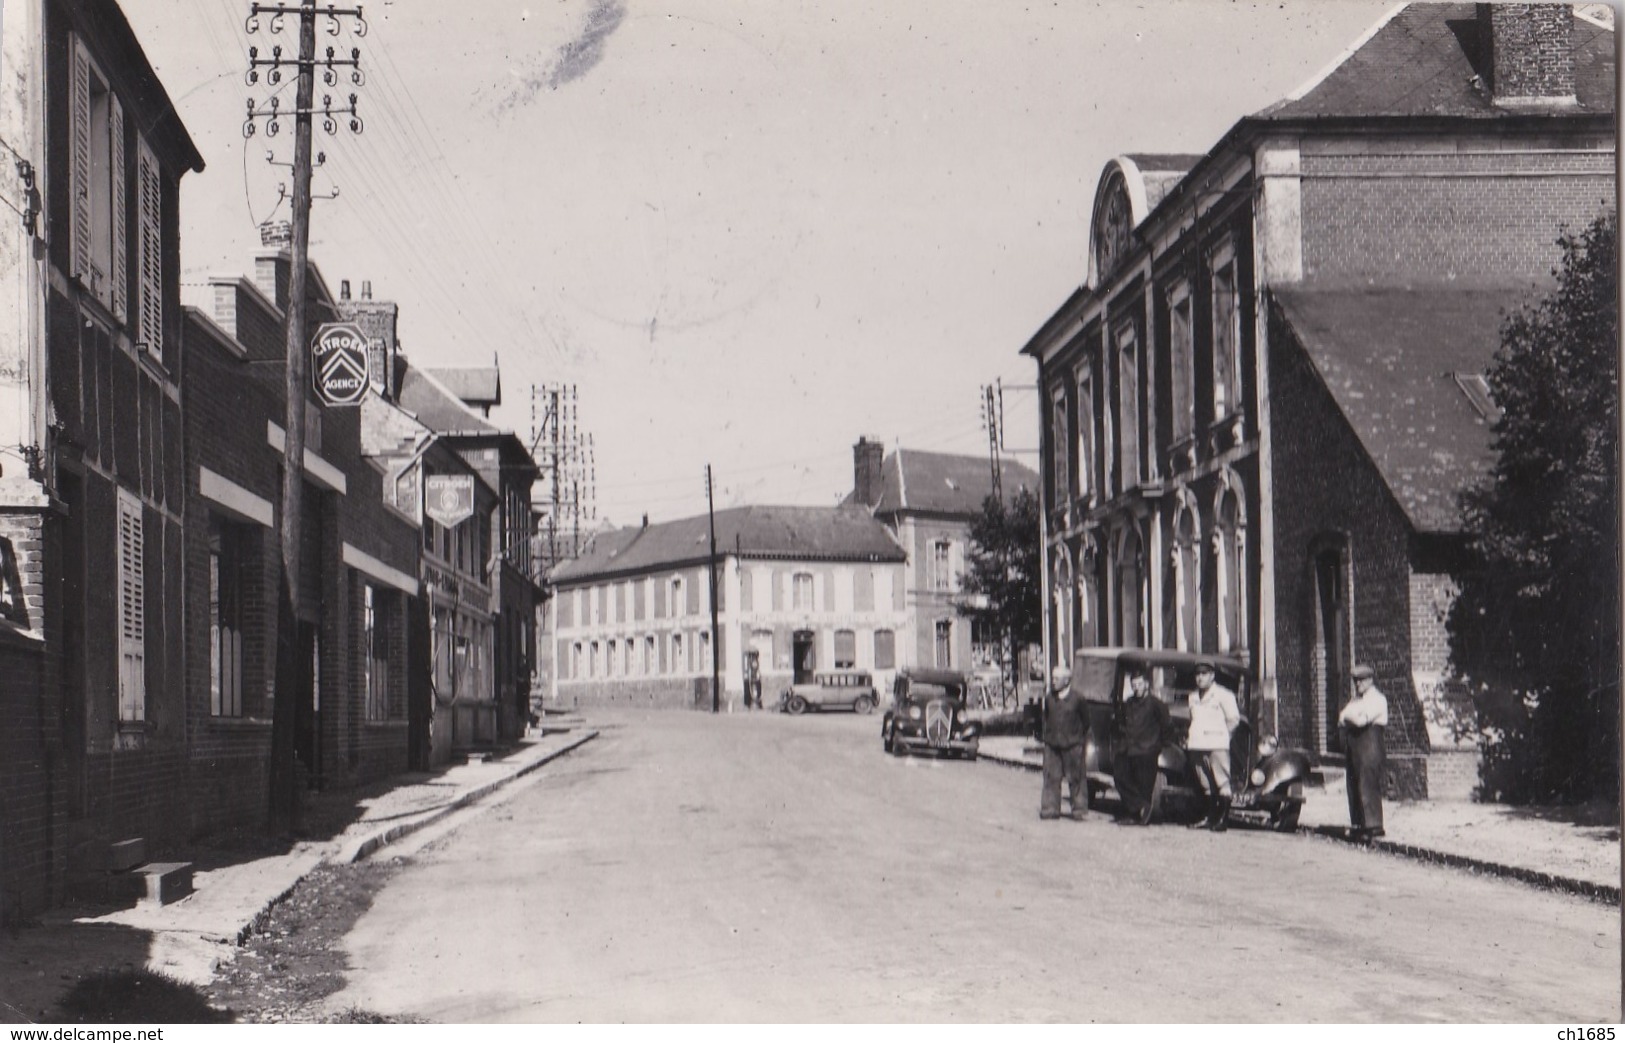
x: 1282, y: 768
x: 1173, y: 762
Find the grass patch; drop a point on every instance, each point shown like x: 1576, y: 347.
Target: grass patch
x: 139, y: 997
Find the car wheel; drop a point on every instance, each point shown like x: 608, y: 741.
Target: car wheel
x: 1286, y: 820
x: 896, y: 747
x: 974, y: 750
x: 863, y: 704
x: 798, y: 705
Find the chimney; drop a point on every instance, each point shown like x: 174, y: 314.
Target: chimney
x: 379, y: 320
x: 344, y: 289
x: 276, y: 233
x: 645, y: 519
x: 866, y: 469
x: 1531, y: 53
x: 366, y: 289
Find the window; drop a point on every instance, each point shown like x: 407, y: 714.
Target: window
x: 594, y: 664
x: 1231, y: 547
x: 612, y: 660
x: 12, y: 606
x: 1181, y: 362
x: 677, y: 663
x: 1226, y: 337
x: 626, y: 657
x: 941, y: 575
x: 846, y: 649
x: 675, y: 606
x: 150, y: 252
x: 1060, y: 447
x: 801, y: 592
x: 1128, y: 409
x: 651, y: 656
x: 378, y: 625
x: 226, y: 602
x: 1188, y: 580
x: 132, y: 610
x: 1086, y: 432
x: 575, y: 660
x: 885, y: 649
x: 97, y: 191
x: 944, y: 643
x: 704, y: 665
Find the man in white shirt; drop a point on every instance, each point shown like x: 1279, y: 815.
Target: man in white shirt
x: 1363, y: 719
x: 1214, y: 716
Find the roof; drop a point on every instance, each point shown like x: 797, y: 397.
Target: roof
x: 943, y: 483
x: 845, y: 533
x: 1160, y: 172
x: 436, y: 406
x: 1429, y: 60
x: 1389, y: 357
x: 477, y: 385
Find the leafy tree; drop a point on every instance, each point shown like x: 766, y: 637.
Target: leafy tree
x: 1002, y: 579
x: 1535, y: 630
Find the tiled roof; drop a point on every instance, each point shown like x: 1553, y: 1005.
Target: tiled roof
x: 1420, y: 62
x: 475, y: 384
x: 944, y: 483
x: 1389, y: 358
x: 793, y: 533
x: 436, y: 406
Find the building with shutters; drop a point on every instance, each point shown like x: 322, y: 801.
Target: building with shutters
x: 1267, y: 395
x: 92, y: 475
x: 798, y: 590
x: 928, y: 501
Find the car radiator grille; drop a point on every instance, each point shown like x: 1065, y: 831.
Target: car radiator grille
x: 938, y: 723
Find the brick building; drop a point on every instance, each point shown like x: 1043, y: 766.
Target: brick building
x: 928, y: 501
x: 93, y: 484
x: 798, y: 589
x: 1264, y: 401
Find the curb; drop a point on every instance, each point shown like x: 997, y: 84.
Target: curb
x: 1534, y: 877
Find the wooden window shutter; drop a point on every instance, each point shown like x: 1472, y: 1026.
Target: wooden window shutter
x: 151, y: 254
x: 79, y: 161
x: 132, y: 605
x: 121, y: 278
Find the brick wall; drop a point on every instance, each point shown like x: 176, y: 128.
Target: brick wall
x: 1460, y: 209
x: 1326, y: 486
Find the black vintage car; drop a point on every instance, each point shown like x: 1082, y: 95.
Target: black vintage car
x: 927, y: 715
x: 1268, y: 781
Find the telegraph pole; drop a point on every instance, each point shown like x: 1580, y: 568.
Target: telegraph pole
x: 284, y: 793
x: 716, y: 646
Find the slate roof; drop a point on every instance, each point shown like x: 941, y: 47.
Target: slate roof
x: 1388, y: 355
x: 844, y: 533
x: 943, y: 483
x: 1422, y: 62
x: 481, y: 385
x: 436, y: 406
x: 1161, y: 171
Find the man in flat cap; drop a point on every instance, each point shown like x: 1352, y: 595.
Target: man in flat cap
x: 1066, y: 724
x: 1363, y: 719
x: 1214, y: 716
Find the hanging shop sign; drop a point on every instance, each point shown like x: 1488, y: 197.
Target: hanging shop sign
x: 448, y: 498
x: 339, y: 363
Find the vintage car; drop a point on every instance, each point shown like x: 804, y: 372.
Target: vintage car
x: 841, y: 690
x: 1268, y: 781
x: 927, y: 715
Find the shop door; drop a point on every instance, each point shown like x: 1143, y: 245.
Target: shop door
x: 805, y: 653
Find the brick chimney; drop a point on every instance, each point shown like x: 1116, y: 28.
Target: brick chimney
x: 866, y: 471
x: 379, y: 320
x: 1531, y: 53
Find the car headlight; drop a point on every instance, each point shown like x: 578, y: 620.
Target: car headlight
x: 1266, y: 746
x: 1257, y: 776
x: 915, y: 712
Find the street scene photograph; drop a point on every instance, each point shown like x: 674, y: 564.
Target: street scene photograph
x: 603, y: 513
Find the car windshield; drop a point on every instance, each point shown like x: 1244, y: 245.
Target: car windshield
x: 923, y: 692
x: 1174, y: 685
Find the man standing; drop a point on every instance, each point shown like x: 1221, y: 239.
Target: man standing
x: 1144, y: 728
x: 1213, y: 717
x: 1363, y: 719
x: 1066, y: 723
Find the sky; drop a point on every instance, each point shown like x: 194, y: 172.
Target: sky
x: 746, y: 233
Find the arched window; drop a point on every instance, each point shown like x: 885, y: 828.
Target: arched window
x: 675, y: 605
x: 1130, y: 581
x: 1061, y: 593
x: 1230, y: 550
x: 1187, y: 563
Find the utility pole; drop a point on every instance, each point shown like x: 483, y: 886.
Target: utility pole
x: 716, y: 645
x: 283, y: 812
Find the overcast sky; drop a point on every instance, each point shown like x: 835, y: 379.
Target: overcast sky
x: 747, y: 232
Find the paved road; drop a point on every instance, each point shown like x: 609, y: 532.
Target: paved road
x: 685, y: 867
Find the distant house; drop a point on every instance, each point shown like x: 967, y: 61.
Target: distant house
x: 928, y: 501
x: 798, y: 590
x: 1261, y: 406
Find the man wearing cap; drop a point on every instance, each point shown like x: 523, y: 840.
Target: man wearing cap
x: 1143, y: 728
x: 1066, y: 724
x: 1363, y: 719
x: 1214, y: 715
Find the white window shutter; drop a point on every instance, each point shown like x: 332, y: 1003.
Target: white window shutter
x: 79, y: 161
x: 151, y: 256
x: 121, y: 278
x: 132, y: 607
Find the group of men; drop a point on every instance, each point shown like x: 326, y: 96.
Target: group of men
x: 1144, y: 727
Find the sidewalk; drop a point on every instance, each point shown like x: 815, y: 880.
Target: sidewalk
x: 189, y: 938
x: 1540, y: 846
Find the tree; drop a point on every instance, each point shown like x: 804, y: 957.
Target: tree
x: 1002, y: 580
x: 1535, y: 629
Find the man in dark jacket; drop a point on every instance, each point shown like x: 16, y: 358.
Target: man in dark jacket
x: 1143, y: 726
x: 1066, y: 723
